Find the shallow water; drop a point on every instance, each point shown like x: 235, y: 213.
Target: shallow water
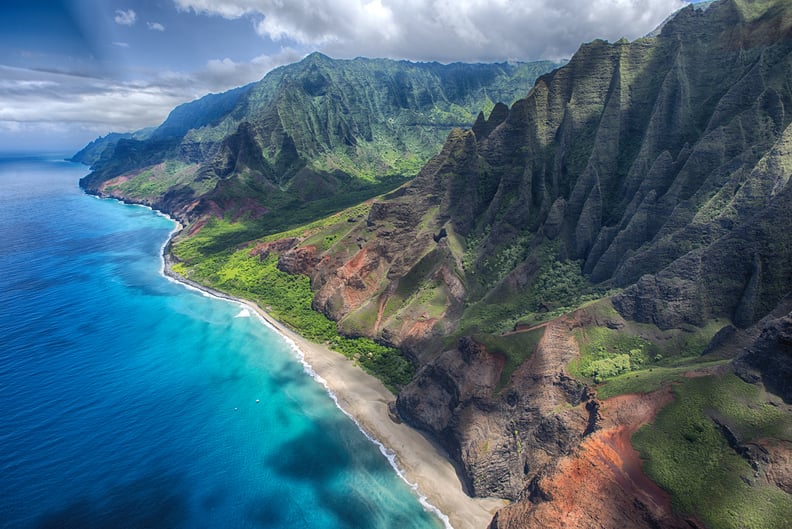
x: 130, y: 401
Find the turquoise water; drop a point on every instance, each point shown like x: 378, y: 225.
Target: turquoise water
x: 130, y: 401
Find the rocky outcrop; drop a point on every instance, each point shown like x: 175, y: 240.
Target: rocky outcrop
x: 778, y: 470
x: 769, y: 358
x: 504, y: 438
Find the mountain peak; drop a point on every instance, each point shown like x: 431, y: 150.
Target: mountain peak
x: 306, y: 131
x: 317, y: 57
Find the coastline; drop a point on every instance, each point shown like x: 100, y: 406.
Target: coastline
x: 425, y: 467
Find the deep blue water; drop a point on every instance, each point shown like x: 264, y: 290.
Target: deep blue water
x: 130, y: 401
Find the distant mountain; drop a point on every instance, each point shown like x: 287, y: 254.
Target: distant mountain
x: 92, y: 153
x: 307, y: 131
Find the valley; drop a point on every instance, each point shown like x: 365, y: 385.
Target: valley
x: 574, y: 277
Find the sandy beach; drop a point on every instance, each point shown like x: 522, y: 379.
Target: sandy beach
x: 363, y: 397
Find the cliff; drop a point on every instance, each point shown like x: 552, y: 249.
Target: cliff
x: 572, y: 276
x: 306, y: 133
x: 658, y: 168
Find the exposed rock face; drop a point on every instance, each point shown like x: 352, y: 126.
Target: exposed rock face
x: 779, y: 465
x: 769, y: 357
x: 298, y: 260
x: 504, y: 439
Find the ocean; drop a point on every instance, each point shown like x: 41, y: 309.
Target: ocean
x: 130, y: 401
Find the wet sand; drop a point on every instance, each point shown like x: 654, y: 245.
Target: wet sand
x: 365, y: 399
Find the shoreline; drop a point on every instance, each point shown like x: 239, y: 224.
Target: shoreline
x: 424, y: 466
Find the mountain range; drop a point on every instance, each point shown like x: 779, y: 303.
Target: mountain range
x: 587, y: 279
x: 303, y: 135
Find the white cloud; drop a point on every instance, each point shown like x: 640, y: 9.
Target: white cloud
x: 444, y: 30
x: 224, y: 8
x: 36, y: 102
x: 121, y: 44
x: 155, y: 26
x: 126, y: 17
x: 223, y: 74
x: 28, y: 96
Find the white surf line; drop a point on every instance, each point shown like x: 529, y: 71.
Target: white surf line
x: 308, y: 368
x: 244, y: 313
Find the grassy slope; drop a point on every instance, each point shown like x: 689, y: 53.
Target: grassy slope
x: 287, y: 297
x: 687, y: 453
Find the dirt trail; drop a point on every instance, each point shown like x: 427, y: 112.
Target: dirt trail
x: 521, y: 328
x: 383, y: 300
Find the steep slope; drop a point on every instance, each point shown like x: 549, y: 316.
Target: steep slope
x: 658, y: 167
x: 92, y: 153
x: 667, y: 156
x: 306, y: 132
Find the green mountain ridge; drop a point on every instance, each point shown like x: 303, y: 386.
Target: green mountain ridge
x: 307, y: 131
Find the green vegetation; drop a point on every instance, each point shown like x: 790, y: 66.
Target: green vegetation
x: 648, y: 379
x: 153, y: 182
x: 516, y: 348
x: 290, y: 219
x: 605, y: 353
x: 687, y: 453
x: 557, y: 287
x: 560, y: 285
x: 494, y: 265
x: 639, y: 357
x: 288, y: 298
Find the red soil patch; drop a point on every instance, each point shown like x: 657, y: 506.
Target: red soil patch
x: 602, y: 485
x: 421, y: 328
x: 118, y: 180
x: 264, y: 248
x: 197, y: 226
x: 356, y: 262
x: 632, y: 412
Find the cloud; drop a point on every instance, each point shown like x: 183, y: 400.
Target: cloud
x: 223, y: 74
x: 444, y: 30
x: 121, y: 44
x: 126, y: 17
x: 29, y: 96
x: 155, y: 26
x: 44, y: 102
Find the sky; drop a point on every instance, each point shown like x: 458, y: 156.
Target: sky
x: 72, y: 70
